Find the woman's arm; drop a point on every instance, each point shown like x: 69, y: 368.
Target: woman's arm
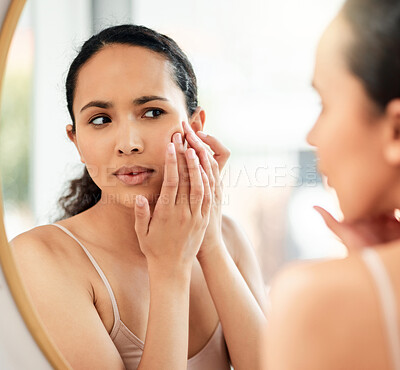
x: 238, y: 296
x: 240, y: 313
x: 242, y: 253
x: 170, y: 252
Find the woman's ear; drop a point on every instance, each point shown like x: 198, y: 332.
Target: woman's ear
x: 198, y: 119
x: 392, y: 142
x: 72, y: 136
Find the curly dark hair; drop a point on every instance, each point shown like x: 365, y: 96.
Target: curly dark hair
x: 82, y: 193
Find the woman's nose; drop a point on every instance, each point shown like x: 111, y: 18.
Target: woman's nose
x: 129, y: 139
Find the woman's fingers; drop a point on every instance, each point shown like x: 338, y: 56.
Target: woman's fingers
x: 354, y: 236
x: 170, y: 184
x: 184, y: 183
x: 203, y: 155
x: 207, y: 201
x: 142, y: 216
x: 217, y: 185
x: 196, y: 181
x: 222, y: 153
x: 329, y: 220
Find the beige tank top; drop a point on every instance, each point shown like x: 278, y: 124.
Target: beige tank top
x: 213, y: 356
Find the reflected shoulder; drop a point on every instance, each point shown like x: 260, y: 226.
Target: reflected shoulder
x: 234, y: 237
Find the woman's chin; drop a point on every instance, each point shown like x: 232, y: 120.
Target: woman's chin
x: 128, y: 199
x: 355, y: 214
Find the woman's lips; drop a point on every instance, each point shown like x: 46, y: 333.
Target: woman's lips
x: 134, y: 179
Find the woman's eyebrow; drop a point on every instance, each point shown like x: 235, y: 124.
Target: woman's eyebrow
x: 145, y: 99
x: 106, y: 105
x: 98, y: 104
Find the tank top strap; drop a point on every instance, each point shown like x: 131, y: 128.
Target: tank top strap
x: 98, y: 269
x: 387, y: 300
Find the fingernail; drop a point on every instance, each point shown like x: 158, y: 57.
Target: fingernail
x: 191, y: 154
x: 171, y: 148
x: 178, y: 138
x: 201, y: 134
x: 140, y: 200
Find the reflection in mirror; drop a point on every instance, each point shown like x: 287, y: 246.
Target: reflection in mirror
x: 240, y: 86
x: 233, y: 71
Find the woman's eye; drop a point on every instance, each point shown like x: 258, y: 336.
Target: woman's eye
x: 99, y: 121
x: 153, y: 113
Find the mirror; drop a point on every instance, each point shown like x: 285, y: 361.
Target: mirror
x: 271, y: 178
x: 17, y: 337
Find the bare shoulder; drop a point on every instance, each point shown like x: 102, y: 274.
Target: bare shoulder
x: 42, y: 245
x: 326, y: 312
x: 234, y: 237
x: 244, y: 256
x: 318, y: 274
x: 34, y: 244
x: 47, y: 251
x: 63, y: 297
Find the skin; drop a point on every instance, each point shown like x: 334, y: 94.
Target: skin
x: 337, y: 321
x: 153, y: 277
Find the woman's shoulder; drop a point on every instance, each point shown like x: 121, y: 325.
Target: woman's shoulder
x: 44, y: 246
x: 46, y: 250
x: 348, y: 276
x: 323, y: 280
x: 317, y: 283
x: 37, y: 239
x: 244, y: 256
x: 235, y: 238
x: 331, y: 307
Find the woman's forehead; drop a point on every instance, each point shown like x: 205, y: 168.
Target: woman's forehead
x: 124, y: 69
x: 331, y: 52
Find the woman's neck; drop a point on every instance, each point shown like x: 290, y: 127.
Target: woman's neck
x: 114, y: 225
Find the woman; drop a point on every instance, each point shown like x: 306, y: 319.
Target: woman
x: 343, y: 314
x: 149, y: 219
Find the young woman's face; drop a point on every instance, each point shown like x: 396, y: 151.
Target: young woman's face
x: 348, y: 134
x: 127, y: 107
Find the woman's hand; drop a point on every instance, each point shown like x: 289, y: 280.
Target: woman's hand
x: 363, y: 233
x: 213, y: 163
x: 173, y: 235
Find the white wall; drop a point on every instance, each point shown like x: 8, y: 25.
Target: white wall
x: 60, y: 28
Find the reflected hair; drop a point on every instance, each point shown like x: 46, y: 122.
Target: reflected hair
x: 374, y: 55
x: 82, y: 193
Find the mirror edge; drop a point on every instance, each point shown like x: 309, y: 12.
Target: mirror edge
x: 7, y: 262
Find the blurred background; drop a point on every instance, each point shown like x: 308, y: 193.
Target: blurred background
x: 254, y: 62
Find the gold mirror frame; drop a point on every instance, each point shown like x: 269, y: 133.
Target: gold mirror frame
x: 7, y: 261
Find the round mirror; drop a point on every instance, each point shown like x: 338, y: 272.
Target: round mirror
x: 21, y: 331
x: 271, y: 180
